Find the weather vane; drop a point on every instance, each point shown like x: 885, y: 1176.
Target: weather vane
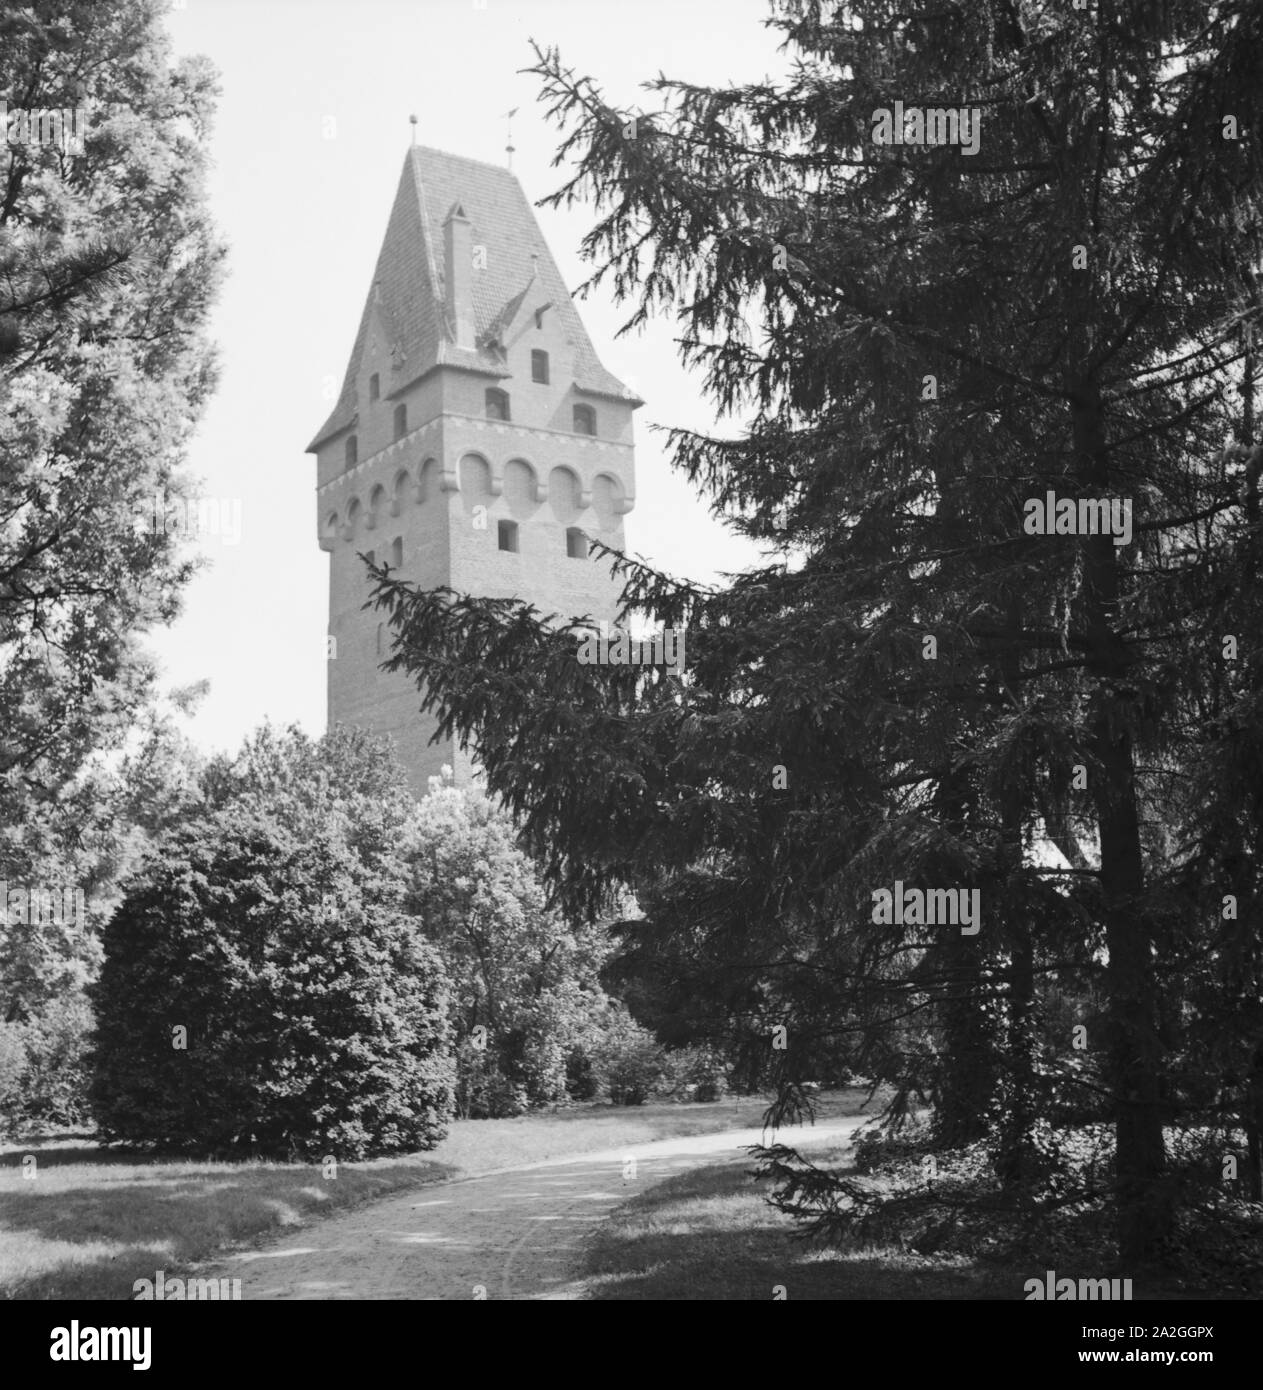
x: 412, y: 121
x: 508, y: 134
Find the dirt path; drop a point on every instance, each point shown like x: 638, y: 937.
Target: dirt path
x: 517, y: 1233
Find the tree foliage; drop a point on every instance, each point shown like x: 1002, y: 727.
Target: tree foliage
x: 527, y: 995
x: 915, y: 687
x: 264, y: 989
x: 108, y: 268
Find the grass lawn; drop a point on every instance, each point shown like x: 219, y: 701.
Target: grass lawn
x: 92, y: 1221
x: 709, y: 1234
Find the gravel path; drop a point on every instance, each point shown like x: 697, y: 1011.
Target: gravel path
x: 516, y: 1233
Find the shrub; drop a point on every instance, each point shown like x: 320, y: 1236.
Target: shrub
x: 58, y: 1072
x: 12, y: 1066
x: 583, y: 1081
x: 632, y: 1065
x: 699, y: 1074
x: 501, y: 1099
x: 876, y: 1146
x: 710, y: 1089
x: 483, y: 1090
x: 315, y: 1013
x: 44, y: 1067
x: 519, y: 971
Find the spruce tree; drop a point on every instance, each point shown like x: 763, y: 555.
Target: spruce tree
x: 924, y: 681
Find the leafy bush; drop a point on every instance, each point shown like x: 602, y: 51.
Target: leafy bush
x: 698, y: 1074
x: 314, y: 1011
x: 483, y: 1091
x: 875, y: 1146
x: 58, y: 1064
x: 583, y: 1081
x: 12, y: 1066
x: 500, y: 1099
x: 44, y: 1067
x: 631, y: 1063
x: 520, y: 973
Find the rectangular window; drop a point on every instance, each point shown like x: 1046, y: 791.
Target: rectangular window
x: 507, y: 531
x: 401, y: 421
x: 396, y: 553
x: 374, y: 387
x: 352, y: 450
x: 576, y: 543
x: 539, y: 366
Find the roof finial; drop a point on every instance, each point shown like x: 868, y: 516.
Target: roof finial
x: 412, y: 121
x: 508, y: 134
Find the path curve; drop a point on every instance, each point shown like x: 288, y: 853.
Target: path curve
x: 517, y: 1233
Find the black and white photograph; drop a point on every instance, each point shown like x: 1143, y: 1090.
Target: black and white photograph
x: 631, y: 669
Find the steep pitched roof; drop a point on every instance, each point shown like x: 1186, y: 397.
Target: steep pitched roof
x: 408, y: 279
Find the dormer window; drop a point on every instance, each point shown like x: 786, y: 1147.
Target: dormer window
x: 352, y: 450
x: 539, y: 367
x: 401, y: 421
x: 374, y: 387
x: 584, y: 419
x: 497, y: 404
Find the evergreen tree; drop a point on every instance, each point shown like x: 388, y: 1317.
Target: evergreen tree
x: 929, y: 682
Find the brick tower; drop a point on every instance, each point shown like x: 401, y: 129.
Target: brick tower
x: 477, y: 441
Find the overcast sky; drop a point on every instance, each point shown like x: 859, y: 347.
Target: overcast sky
x: 304, y: 216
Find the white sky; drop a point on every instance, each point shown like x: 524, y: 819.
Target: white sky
x: 304, y: 217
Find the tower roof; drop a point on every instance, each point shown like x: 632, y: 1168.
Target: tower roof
x: 408, y: 291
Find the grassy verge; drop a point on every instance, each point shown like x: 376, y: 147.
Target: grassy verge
x: 92, y: 1221
x: 709, y: 1234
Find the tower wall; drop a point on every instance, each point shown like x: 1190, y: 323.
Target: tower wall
x: 428, y: 491
x: 432, y: 498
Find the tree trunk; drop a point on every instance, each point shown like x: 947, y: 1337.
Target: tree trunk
x: 1018, y: 1058
x: 1134, y: 1057
x: 967, y: 1072
x: 967, y: 1075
